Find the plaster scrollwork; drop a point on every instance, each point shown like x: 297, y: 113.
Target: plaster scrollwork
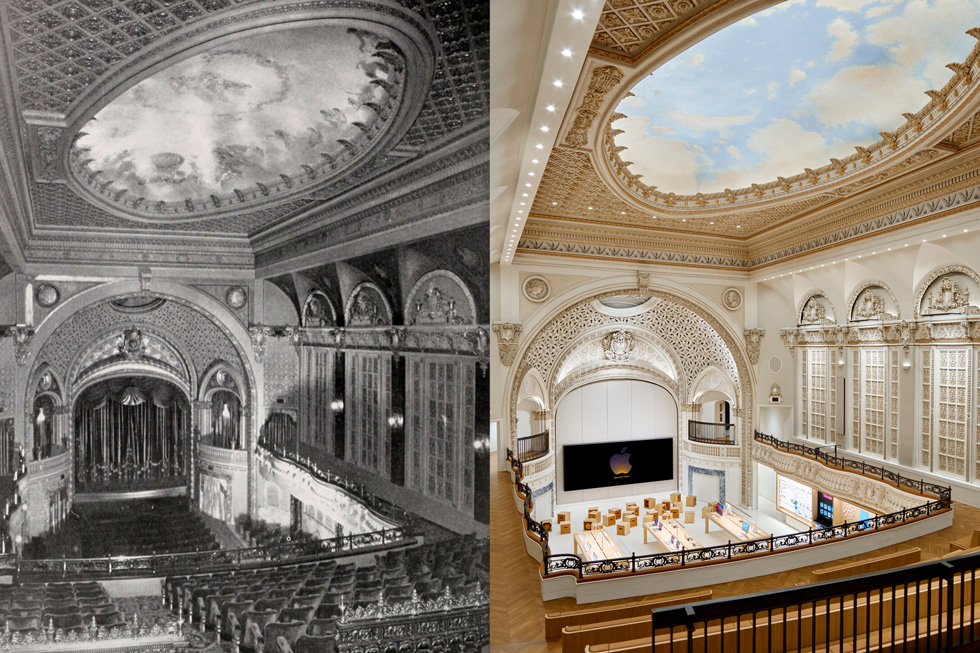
x: 508, y: 337
x: 318, y: 310
x: 775, y: 393
x: 949, y: 297
x: 618, y: 346
x: 789, y: 337
x: 869, y: 306
x: 920, y: 304
x: 643, y: 281
x: 604, y: 78
x: 23, y: 337
x: 816, y: 308
x: 753, y: 342
x: 259, y: 335
x: 870, y: 301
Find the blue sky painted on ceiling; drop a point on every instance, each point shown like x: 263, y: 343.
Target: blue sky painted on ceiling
x: 789, y: 88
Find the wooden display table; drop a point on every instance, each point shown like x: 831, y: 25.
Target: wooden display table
x: 596, y: 545
x: 671, y: 534
x: 732, y: 523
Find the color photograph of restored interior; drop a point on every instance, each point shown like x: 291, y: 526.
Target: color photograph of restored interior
x: 735, y: 273
x: 244, y: 325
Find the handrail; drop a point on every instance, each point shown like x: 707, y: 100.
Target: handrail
x: 569, y: 563
x: 383, y: 509
x: 532, y: 447
x: 196, y: 561
x: 696, y: 617
x: 710, y: 432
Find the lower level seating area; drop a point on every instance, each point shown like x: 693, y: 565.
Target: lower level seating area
x: 62, y: 606
x: 132, y: 527
x: 298, y: 607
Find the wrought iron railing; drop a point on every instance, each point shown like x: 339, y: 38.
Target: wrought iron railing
x: 924, y: 607
x: 533, y: 447
x: 198, y: 561
x: 562, y: 563
x: 438, y: 628
x: 710, y: 432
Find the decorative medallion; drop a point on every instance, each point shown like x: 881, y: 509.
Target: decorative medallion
x: 221, y: 377
x: 732, y: 299
x: 714, y: 380
x: 775, y: 364
x: 132, y: 343
x: 537, y: 289
x: 45, y: 382
x: 236, y: 297
x: 618, y: 346
x: 47, y: 295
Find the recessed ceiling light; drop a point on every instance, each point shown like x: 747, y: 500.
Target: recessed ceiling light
x: 566, y: 52
x: 534, y: 160
x: 906, y: 244
x: 590, y: 208
x: 859, y: 256
x: 539, y: 146
x: 544, y: 128
x: 965, y: 230
x: 711, y: 223
x: 683, y: 219
x: 523, y: 194
x: 528, y: 185
x: 520, y: 211
x: 554, y: 203
x: 738, y: 226
x: 577, y: 14
x: 550, y: 107
x: 944, y: 235
x: 873, y: 253
x: 558, y: 83
x: 622, y: 212
x: 530, y: 174
x: 889, y: 249
x: 522, y: 203
x: 923, y: 240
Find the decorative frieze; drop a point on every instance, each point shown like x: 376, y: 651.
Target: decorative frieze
x: 458, y: 340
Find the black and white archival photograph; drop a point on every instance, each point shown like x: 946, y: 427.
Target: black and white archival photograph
x: 244, y: 325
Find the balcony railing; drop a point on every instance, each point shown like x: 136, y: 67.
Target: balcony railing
x: 554, y: 564
x: 533, y: 447
x: 710, y: 432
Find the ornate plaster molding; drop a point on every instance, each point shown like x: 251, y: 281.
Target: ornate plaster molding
x: 508, y: 339
x: 753, y: 342
x: 604, y: 78
x: 871, y: 284
x: 935, y: 274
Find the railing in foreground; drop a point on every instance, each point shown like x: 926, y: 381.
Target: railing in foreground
x: 533, y: 447
x: 572, y: 564
x: 710, y: 432
x: 929, y: 606
x: 176, y: 563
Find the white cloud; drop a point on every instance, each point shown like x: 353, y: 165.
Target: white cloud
x: 749, y: 91
x: 699, y: 123
x: 924, y: 32
x: 734, y: 152
x: 810, y: 64
x: 845, y: 38
x: 845, y: 5
x: 664, y: 129
x: 782, y: 6
x: 666, y: 163
x: 875, y: 12
x: 796, y: 75
x: 869, y: 94
x: 771, y: 89
x: 751, y: 22
x: 633, y: 102
x: 696, y: 59
x: 787, y: 148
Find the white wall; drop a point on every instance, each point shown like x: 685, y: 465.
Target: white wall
x: 608, y: 411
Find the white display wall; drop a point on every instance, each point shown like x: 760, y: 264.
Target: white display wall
x: 609, y: 411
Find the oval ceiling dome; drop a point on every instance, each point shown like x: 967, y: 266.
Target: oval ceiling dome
x: 255, y: 119
x: 789, y: 88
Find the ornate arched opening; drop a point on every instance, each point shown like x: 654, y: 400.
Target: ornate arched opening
x: 132, y: 433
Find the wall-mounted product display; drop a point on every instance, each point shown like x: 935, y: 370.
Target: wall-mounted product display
x: 795, y: 498
x: 825, y: 509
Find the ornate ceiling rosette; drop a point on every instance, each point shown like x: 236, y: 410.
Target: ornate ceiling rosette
x: 263, y: 110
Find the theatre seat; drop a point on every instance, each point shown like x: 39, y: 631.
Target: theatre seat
x: 255, y: 623
x: 289, y: 632
x: 24, y: 624
x: 312, y: 644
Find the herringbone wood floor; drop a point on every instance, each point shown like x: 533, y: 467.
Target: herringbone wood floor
x: 517, y: 611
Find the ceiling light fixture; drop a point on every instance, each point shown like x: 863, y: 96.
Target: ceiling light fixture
x: 558, y: 83
x: 544, y: 128
x: 577, y: 14
x: 528, y: 185
x: 539, y: 146
x: 534, y: 160
x: 523, y: 194
x: 550, y: 107
x: 566, y: 52
x: 530, y: 174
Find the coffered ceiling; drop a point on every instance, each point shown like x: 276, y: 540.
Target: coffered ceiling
x: 191, y: 132
x: 585, y: 201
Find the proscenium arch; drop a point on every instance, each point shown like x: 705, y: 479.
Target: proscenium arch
x: 698, y: 305
x: 211, y: 308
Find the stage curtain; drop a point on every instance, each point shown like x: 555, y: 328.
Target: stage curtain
x: 131, y: 434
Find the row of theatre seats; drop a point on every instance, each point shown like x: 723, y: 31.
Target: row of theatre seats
x: 138, y: 529
x: 297, y: 608
x: 62, y: 606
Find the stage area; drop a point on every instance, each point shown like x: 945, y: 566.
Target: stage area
x: 765, y: 517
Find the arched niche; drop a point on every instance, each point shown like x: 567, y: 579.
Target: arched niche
x: 948, y: 290
x: 618, y: 346
x: 47, y: 414
x: 121, y: 346
x: 440, y: 297
x: 367, y: 306
x: 872, y: 300
x: 531, y: 405
x: 222, y: 407
x: 318, y: 310
x: 815, y: 308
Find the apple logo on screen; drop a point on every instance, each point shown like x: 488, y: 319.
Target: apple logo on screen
x: 620, y: 462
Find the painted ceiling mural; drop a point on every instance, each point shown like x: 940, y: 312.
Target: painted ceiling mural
x: 789, y: 88
x: 245, y: 119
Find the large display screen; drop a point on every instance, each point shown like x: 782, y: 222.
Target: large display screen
x: 605, y: 464
x: 795, y: 497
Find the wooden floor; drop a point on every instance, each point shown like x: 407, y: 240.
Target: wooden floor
x: 517, y: 611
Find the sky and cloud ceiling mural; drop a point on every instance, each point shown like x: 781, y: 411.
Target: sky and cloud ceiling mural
x: 789, y: 88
